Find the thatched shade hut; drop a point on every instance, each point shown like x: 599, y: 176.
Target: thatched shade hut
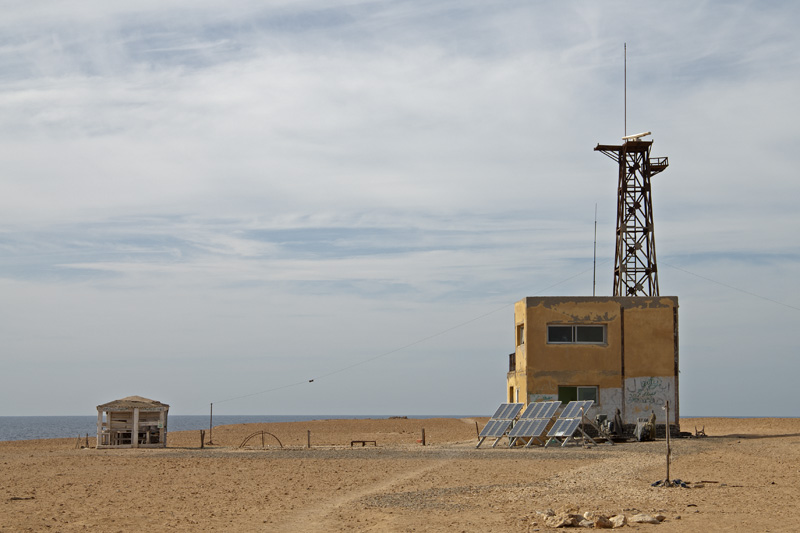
x: 132, y: 422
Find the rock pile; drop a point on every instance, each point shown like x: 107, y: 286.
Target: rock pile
x: 589, y: 519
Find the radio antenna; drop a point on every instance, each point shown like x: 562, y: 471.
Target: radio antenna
x: 625, y: 83
x: 594, y: 261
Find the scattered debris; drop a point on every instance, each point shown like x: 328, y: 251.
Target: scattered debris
x: 590, y: 519
x: 667, y: 483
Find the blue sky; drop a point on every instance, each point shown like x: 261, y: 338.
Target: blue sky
x: 202, y: 201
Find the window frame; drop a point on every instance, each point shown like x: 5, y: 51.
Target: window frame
x: 578, y: 391
x: 574, y: 333
x: 520, y: 334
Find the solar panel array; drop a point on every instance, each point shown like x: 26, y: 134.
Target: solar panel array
x: 533, y: 422
x: 500, y: 422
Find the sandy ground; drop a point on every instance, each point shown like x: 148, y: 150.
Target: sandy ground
x: 745, y: 476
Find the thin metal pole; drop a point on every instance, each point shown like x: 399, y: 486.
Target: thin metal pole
x: 594, y: 261
x: 625, y: 53
x: 666, y: 408
x: 583, y: 429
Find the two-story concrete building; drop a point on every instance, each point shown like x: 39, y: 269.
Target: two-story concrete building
x: 620, y: 352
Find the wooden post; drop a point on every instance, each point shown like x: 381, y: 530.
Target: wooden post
x: 423, y: 436
x: 202, y: 438
x: 308, y: 438
x: 211, y: 424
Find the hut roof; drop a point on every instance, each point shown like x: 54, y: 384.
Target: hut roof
x: 132, y: 401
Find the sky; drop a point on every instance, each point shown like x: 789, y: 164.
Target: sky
x: 206, y: 202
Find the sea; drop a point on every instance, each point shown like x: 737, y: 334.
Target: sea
x: 58, y: 427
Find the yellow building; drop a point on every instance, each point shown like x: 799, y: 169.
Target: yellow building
x: 620, y: 352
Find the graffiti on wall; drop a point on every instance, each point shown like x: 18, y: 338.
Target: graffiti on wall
x: 542, y: 398
x: 651, y: 390
x: 648, y: 394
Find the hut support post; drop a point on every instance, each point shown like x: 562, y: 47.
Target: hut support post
x: 99, y: 427
x: 162, y: 430
x: 135, y: 429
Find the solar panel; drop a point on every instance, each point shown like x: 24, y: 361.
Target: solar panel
x: 538, y: 410
x: 549, y: 410
x: 515, y: 410
x: 530, y: 411
x: 564, y: 427
x: 528, y: 428
x: 573, y: 409
x: 500, y: 410
x: 495, y: 428
x: 520, y: 428
x: 507, y: 411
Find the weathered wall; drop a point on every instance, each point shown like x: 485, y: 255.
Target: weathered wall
x: 518, y: 379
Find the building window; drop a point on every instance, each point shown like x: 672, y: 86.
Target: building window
x: 571, y: 394
x: 520, y: 334
x: 576, y: 334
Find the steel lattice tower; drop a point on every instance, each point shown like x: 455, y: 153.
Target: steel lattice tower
x: 635, y: 270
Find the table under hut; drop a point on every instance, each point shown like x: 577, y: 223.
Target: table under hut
x: 132, y: 422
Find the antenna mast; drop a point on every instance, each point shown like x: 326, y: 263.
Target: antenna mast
x: 635, y: 270
x: 594, y: 260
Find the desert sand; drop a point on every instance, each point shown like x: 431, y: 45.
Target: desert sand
x: 744, y: 476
